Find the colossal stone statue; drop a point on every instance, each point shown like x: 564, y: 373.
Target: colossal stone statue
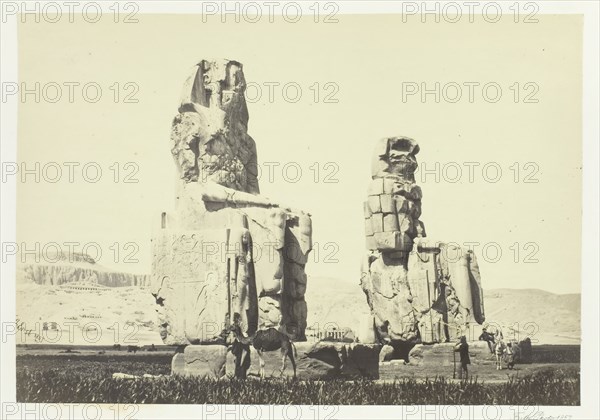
x: 417, y: 292
x: 225, y: 251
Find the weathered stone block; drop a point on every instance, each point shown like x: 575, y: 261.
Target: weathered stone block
x: 368, y: 227
x: 277, y: 219
x: 431, y: 326
x: 375, y: 187
x: 366, y: 330
x: 388, y: 185
x: 389, y: 297
x: 402, y: 205
x: 386, y: 353
x: 388, y: 204
x: 371, y: 243
x: 390, y: 223
x: 367, y: 210
x: 393, y: 241
x: 178, y: 364
x: 196, y: 287
x: 202, y: 360
x: 374, y: 203
x: 443, y: 354
x: 307, y: 368
x: 351, y: 360
x: 421, y: 279
x: 269, y: 311
x: 377, y: 222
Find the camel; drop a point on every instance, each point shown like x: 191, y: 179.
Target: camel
x: 267, y: 340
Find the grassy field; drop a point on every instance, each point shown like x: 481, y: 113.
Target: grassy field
x: 51, y: 376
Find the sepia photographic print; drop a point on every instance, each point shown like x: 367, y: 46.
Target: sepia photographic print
x: 291, y: 210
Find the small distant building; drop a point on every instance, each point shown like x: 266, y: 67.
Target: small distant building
x: 84, y: 286
x: 334, y: 334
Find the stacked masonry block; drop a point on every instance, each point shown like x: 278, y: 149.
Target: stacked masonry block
x: 391, y: 215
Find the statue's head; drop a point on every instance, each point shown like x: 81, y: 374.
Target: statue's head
x: 401, y: 163
x: 396, y: 156
x: 222, y: 78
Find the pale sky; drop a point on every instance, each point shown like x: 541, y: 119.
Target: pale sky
x: 369, y: 60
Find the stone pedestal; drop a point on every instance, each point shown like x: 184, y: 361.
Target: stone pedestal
x: 318, y: 361
x: 443, y: 354
x: 202, y: 361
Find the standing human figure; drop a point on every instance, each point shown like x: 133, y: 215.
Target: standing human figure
x: 463, y: 349
x: 510, y: 355
x: 240, y: 348
x: 241, y: 353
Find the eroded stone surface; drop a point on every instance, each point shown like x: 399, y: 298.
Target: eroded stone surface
x: 443, y: 354
x: 417, y: 291
x: 209, y: 136
x: 196, y: 289
x: 386, y: 353
x: 203, y: 361
x: 366, y: 332
x: 321, y: 360
x: 352, y: 360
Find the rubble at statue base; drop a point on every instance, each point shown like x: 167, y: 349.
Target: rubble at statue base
x: 418, y: 292
x: 226, y: 252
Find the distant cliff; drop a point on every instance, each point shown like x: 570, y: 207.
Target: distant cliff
x: 78, y: 269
